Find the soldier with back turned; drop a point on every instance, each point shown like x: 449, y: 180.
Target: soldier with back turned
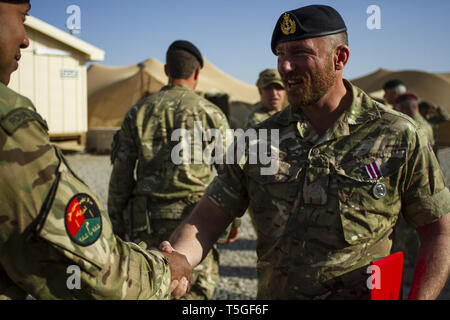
x: 151, y: 205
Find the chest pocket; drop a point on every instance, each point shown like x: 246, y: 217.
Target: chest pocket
x: 283, y: 184
x: 272, y: 199
x: 368, y: 193
x: 75, y: 223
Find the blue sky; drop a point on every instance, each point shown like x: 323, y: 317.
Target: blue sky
x: 235, y: 34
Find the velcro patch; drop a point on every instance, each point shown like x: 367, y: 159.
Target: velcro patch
x: 16, y: 118
x: 83, y: 220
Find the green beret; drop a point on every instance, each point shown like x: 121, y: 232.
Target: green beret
x: 307, y: 22
x: 267, y: 77
x: 189, y: 47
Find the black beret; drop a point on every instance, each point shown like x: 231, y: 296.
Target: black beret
x: 307, y: 22
x: 187, y: 46
x: 392, y: 84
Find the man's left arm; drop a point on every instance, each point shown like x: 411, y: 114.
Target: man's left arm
x: 433, y: 263
x: 427, y: 204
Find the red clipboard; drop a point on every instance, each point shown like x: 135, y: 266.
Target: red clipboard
x: 385, y: 282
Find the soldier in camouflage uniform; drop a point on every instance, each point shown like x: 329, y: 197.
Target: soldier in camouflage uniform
x: 405, y: 237
x: 392, y: 89
x: 434, y: 115
x: 165, y: 190
x: 408, y: 104
x: 348, y: 166
x: 272, y: 94
x: 50, y: 221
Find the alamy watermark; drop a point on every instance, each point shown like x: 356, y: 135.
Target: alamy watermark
x: 374, y: 280
x: 73, y: 22
x: 210, y: 146
x: 374, y: 20
x: 74, y: 278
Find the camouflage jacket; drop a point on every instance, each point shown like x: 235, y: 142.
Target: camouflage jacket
x: 166, y: 137
x: 425, y: 126
x: 441, y: 115
x: 321, y: 219
x: 258, y: 115
x: 53, y: 227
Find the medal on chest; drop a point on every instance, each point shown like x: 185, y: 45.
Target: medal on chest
x: 374, y: 172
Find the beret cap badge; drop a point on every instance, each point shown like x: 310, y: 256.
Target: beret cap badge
x: 288, y: 25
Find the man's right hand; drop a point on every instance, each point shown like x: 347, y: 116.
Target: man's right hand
x: 180, y: 270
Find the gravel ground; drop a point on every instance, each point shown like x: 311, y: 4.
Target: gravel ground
x: 237, y: 260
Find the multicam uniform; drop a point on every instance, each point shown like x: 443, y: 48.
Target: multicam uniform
x: 425, y: 126
x: 439, y: 116
x: 320, y: 221
x: 405, y: 237
x: 50, y: 221
x: 258, y: 115
x: 165, y: 191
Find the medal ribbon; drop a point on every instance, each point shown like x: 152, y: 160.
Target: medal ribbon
x: 374, y: 171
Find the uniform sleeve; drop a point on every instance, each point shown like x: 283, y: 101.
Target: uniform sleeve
x: 56, y: 240
x: 228, y: 190
x: 123, y: 157
x: 221, y: 123
x: 425, y: 197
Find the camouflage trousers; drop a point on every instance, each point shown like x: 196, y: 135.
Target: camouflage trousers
x: 204, y: 276
x: 406, y: 239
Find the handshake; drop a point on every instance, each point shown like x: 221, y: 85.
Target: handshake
x: 180, y: 266
x: 180, y: 270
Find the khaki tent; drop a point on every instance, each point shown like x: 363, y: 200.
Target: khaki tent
x: 113, y: 90
x: 431, y: 87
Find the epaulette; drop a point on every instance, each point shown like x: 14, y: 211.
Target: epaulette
x: 16, y: 118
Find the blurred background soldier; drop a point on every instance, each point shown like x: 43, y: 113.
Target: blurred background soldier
x: 434, y: 115
x: 50, y: 221
x: 408, y: 103
x: 150, y: 207
x: 405, y: 237
x: 392, y: 89
x: 272, y: 93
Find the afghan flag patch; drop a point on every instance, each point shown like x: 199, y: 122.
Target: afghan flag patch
x: 83, y: 220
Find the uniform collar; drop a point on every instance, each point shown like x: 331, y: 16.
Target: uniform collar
x: 362, y: 109
x: 259, y: 108
x: 175, y: 86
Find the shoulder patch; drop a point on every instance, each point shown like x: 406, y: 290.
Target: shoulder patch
x: 16, y: 118
x: 83, y: 219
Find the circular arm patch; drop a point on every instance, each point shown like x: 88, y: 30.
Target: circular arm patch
x: 83, y: 220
